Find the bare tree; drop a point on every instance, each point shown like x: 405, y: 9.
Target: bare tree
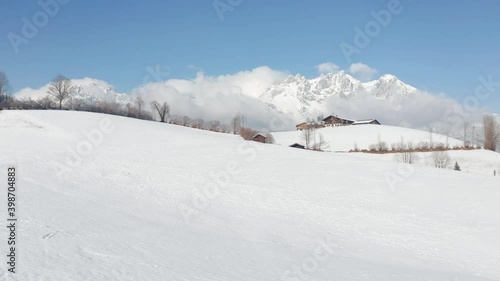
x: 162, y: 110
x: 225, y: 128
x: 321, y: 143
x: 236, y: 123
x: 5, y: 89
x: 213, y: 125
x: 491, y: 134
x: 198, y: 123
x: 473, y: 136
x: 307, y: 134
x: 466, y: 126
x: 139, y: 101
x: 447, y: 133
x: 243, y: 119
x: 441, y: 159
x: 45, y: 103
x: 431, y: 145
x: 408, y: 154
x: 356, y: 147
x: 129, y: 109
x: 408, y: 157
x: 186, y: 121
x: 175, y: 119
x: 381, y: 145
x: 269, y: 138
x: 60, y: 88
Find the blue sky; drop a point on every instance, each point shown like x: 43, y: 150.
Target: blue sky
x: 436, y: 46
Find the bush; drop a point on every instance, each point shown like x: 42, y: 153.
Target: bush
x: 247, y: 133
x: 441, y: 159
x: 269, y: 138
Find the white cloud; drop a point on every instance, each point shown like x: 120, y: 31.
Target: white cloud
x: 362, y: 71
x: 221, y: 97
x: 32, y: 93
x: 208, y: 97
x: 95, y: 87
x: 327, y: 67
x: 419, y: 111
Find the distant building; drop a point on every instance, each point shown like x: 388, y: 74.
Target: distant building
x: 301, y: 126
x: 259, y: 138
x: 366, y: 122
x: 297, y: 145
x: 334, y: 120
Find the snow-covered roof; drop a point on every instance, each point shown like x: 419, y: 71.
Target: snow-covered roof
x: 337, y: 117
x: 366, y: 121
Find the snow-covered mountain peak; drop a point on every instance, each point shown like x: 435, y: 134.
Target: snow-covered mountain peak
x: 297, y: 78
x: 388, y: 77
x: 91, y: 90
x: 301, y: 96
x: 388, y: 87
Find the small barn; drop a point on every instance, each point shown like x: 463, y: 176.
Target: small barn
x: 297, y: 145
x: 366, y: 122
x: 259, y: 138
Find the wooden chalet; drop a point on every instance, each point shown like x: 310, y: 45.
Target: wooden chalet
x: 334, y: 120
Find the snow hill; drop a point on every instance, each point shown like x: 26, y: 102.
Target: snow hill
x: 149, y: 201
x: 344, y: 139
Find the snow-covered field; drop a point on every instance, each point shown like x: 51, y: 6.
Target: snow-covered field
x: 140, y: 200
x: 342, y: 139
x: 479, y: 161
x: 345, y: 138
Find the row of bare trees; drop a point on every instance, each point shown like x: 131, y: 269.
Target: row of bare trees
x: 237, y: 125
x: 60, y: 95
x: 5, y: 90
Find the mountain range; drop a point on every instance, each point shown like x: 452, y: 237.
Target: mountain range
x: 295, y: 96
